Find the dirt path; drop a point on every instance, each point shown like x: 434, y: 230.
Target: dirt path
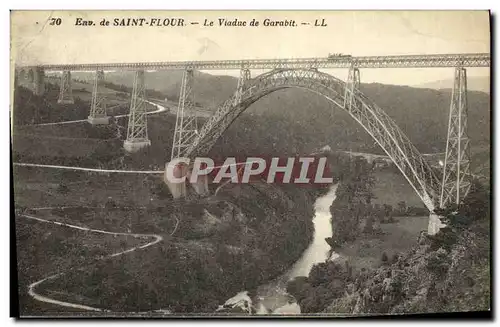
x: 158, y: 110
x: 32, y: 287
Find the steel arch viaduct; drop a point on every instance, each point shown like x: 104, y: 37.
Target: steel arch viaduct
x: 344, y: 95
x: 288, y: 73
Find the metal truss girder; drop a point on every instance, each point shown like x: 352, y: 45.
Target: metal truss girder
x: 137, y: 122
x: 98, y: 104
x: 186, y: 123
x: 456, y: 179
x: 398, y: 61
x: 375, y: 121
x: 353, y: 83
x: 245, y: 76
x: 65, y: 88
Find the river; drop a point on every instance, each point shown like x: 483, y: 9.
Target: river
x: 272, y: 298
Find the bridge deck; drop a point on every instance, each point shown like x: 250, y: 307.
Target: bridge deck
x: 399, y: 61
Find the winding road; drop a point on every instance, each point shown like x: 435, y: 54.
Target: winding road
x: 155, y: 238
x: 32, y: 287
x: 97, y: 170
x: 159, y: 109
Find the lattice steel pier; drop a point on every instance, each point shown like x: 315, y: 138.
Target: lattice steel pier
x: 137, y: 132
x: 186, y: 124
x: 65, y: 89
x: 98, y: 105
x: 456, y: 180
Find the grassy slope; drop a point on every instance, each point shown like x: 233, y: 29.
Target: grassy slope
x: 366, y: 251
x: 397, y: 184
x: 391, y: 188
x: 414, y: 283
x: 427, y: 279
x: 84, y: 90
x: 204, y: 262
x: 44, y: 249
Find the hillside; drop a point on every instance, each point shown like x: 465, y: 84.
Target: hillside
x: 308, y: 121
x: 177, y: 274
x: 474, y: 83
x: 421, y: 113
x: 447, y: 272
x: 210, y: 89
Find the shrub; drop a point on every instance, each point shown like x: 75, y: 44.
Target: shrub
x: 438, y: 262
x: 63, y: 188
x: 110, y: 204
x: 319, y: 274
x: 385, y: 258
x: 298, y: 287
x: 445, y: 238
x: 317, y: 301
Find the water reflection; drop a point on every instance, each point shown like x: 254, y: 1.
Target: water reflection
x: 272, y: 297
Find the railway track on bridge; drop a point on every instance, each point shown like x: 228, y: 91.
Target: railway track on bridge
x: 395, y: 61
x: 289, y: 73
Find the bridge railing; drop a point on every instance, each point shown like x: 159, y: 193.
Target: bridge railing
x: 395, y: 61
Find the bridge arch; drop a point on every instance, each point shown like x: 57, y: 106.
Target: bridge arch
x: 373, y: 119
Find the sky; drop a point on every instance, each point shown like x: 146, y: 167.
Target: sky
x: 358, y: 33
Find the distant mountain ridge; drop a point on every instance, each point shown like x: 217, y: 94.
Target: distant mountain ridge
x: 421, y: 113
x: 210, y: 90
x: 474, y: 83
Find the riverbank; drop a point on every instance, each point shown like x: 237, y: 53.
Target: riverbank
x: 389, y: 239
x: 212, y: 248
x: 396, y: 269
x: 365, y: 235
x: 395, y: 238
x: 390, y: 234
x: 272, y: 297
x: 446, y: 273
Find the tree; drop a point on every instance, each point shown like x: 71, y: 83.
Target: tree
x: 63, y: 188
x: 445, y: 238
x: 476, y: 204
x: 402, y: 207
x: 388, y: 210
x: 352, y: 205
x: 298, y: 287
x: 395, y: 258
x: 385, y: 258
x: 369, y: 224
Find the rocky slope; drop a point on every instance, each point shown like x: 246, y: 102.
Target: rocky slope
x: 448, y: 272
x: 425, y: 280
